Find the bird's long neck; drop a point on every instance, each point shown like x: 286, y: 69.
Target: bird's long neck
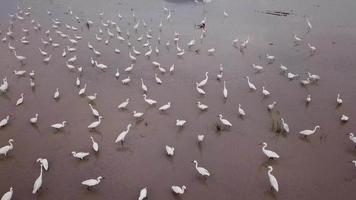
x: 10, y: 142
x: 270, y: 171
x: 196, y: 165
x: 315, y: 128
x: 264, y: 147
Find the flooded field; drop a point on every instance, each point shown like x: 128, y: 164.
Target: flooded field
x: 316, y: 167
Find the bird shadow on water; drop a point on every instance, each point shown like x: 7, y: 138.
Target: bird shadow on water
x: 268, y: 162
x: 123, y: 148
x: 270, y: 193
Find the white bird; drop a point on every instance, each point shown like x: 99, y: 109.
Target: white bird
x: 200, y: 91
x: 20, y: 100
x: 309, y: 24
x: 309, y: 132
x: 250, y: 85
x: 180, y: 122
x: 285, y: 126
x: 43, y: 162
x: 158, y: 80
x: 133, y: 58
x: 292, y: 76
x: 143, y: 194
x: 165, y: 107
x: 312, y: 49
x: 117, y: 74
x: 47, y: 59
x: 94, y: 111
x: 241, y: 111
x: 271, y: 106
x: 92, y: 97
x: 43, y: 53
x: 224, y: 121
x: 338, y: 99
x: 137, y: 53
x: 270, y: 154
x: 82, y: 90
x: 149, y: 101
x: 8, y: 194
x: 20, y: 58
x: 352, y: 138
x: 225, y: 90
x: 124, y: 104
x: 137, y: 115
x: 122, y: 135
x: 5, y: 149
x: 95, y: 124
x: 211, y: 51
x: 20, y: 72
x: 38, y: 182
x: 126, y: 80
x: 34, y: 120
x: 297, y: 39
x: 202, y: 171
x: 313, y: 77
x: 59, y: 126
x: 219, y: 76
x: 354, y: 162
x: 95, y: 145
x: 143, y: 86
x: 4, y: 121
x: 204, y: 81
x: 225, y: 14
x: 92, y: 182
x: 202, y: 106
x: 308, y: 99
x: 72, y: 59
x: 265, y: 92
x: 149, y: 52
x: 283, y: 68
x: 80, y: 155
x: 5, y: 85
x: 344, y: 118
x: 56, y: 94
x: 272, y: 179
x: 258, y: 68
x: 200, y: 138
x: 179, y: 190
x: 191, y: 43
x: 101, y: 66
x: 270, y: 58
x: 170, y: 150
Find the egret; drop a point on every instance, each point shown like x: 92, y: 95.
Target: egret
x: 309, y: 132
x: 271, y: 106
x: 72, y: 59
x: 285, y: 126
x: 38, y: 183
x: 219, y: 76
x: 124, y: 104
x: 43, y: 53
x: 56, y: 94
x: 338, y: 99
x: 225, y: 90
x: 5, y: 149
x: 20, y: 100
x: 200, y: 91
x: 211, y: 51
x: 4, y: 121
x: 179, y: 190
x: 122, y: 135
x: 312, y: 49
x: 202, y: 106
x: 200, y: 138
x: 270, y: 58
x: 59, y: 126
x: 224, y: 121
x: 180, y: 122
x: 202, y: 171
x: 258, y: 68
x: 297, y: 39
x: 143, y: 86
x: 92, y: 182
x: 169, y: 150
x: 313, y: 77
x: 309, y: 24
x: 94, y: 111
x: 117, y: 74
x: 95, y: 124
x: 43, y: 162
x: 82, y: 90
x: 143, y: 194
x: 20, y: 72
x: 133, y: 58
x: 308, y: 99
x: 344, y: 118
x: 69, y: 66
x: 158, y: 80
x: 92, y: 97
x: 272, y: 179
x: 34, y: 120
x: 20, y: 58
x: 225, y: 14
x: 137, y: 115
x: 47, y: 59
x: 241, y: 111
x: 250, y: 85
x: 80, y: 155
x: 292, y: 76
x: 149, y: 101
x: 8, y: 194
x: 204, y: 81
x: 95, y: 145
x: 270, y: 154
x: 165, y: 107
x: 283, y: 68
x: 171, y: 69
x: 352, y: 138
x: 265, y: 92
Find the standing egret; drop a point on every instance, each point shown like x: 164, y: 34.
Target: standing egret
x: 179, y: 190
x: 59, y: 126
x: 124, y: 104
x: 258, y: 68
x: 285, y: 126
x: 56, y: 94
x: 92, y: 97
x: 352, y: 138
x: 137, y: 115
x: 273, y: 181
x: 92, y: 182
x: 8, y: 194
x: 180, y: 122
x: 308, y: 99
x: 270, y: 58
x: 95, y: 145
x: 4, y: 121
x: 122, y: 135
x: 200, y: 138
x: 5, y: 149
x: 200, y: 91
x: 250, y: 85
x: 43, y: 162
x: 82, y: 90
x: 149, y: 101
x: 225, y: 90
x: 224, y: 121
x: 143, y: 194
x: 309, y: 132
x: 202, y: 106
x: 270, y: 154
x: 241, y: 111
x: 95, y: 124
x: 143, y: 86
x: 20, y: 100
x: 165, y: 107
x: 312, y: 49
x: 80, y: 155
x: 338, y: 99
x: 204, y: 81
x: 265, y: 92
x: 344, y: 118
x: 34, y: 120
x: 202, y: 171
x: 38, y: 182
x: 271, y: 106
x: 94, y: 111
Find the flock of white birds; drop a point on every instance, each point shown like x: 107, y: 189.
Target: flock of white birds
x: 111, y: 30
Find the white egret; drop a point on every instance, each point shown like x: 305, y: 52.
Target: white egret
x: 250, y: 85
x: 8, y: 194
x: 352, y: 138
x: 38, y: 183
x: 59, y: 126
x: 149, y: 101
x: 122, y: 135
x: 4, y: 121
x: 5, y: 149
x: 202, y: 171
x: 95, y: 124
x: 265, y: 92
x: 271, y: 106
x: 308, y: 99
x: 224, y: 121
x: 137, y: 115
x: 270, y: 154
x: 200, y: 138
x: 34, y: 120
x: 338, y: 99
x: 180, y: 122
x: 344, y: 118
x: 43, y: 162
x: 170, y: 150
x: 95, y: 145
x: 202, y: 106
x: 143, y: 194
x: 158, y: 80
x: 20, y: 100
x: 80, y: 155
x: 309, y: 132
x: 241, y: 111
x: 165, y: 107
x: 82, y: 90
x: 225, y: 90
x: 94, y: 111
x: 92, y: 182
x: 92, y: 97
x: 258, y: 68
x: 273, y: 181
x: 56, y: 94
x: 285, y: 126
x: 143, y: 86
x: 270, y: 58
x: 204, y: 81
x: 20, y: 72
x: 179, y: 190
x: 124, y: 104
x: 200, y: 91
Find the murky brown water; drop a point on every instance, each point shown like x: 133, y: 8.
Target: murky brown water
x: 316, y: 168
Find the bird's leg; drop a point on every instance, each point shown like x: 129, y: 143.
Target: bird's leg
x: 122, y: 142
